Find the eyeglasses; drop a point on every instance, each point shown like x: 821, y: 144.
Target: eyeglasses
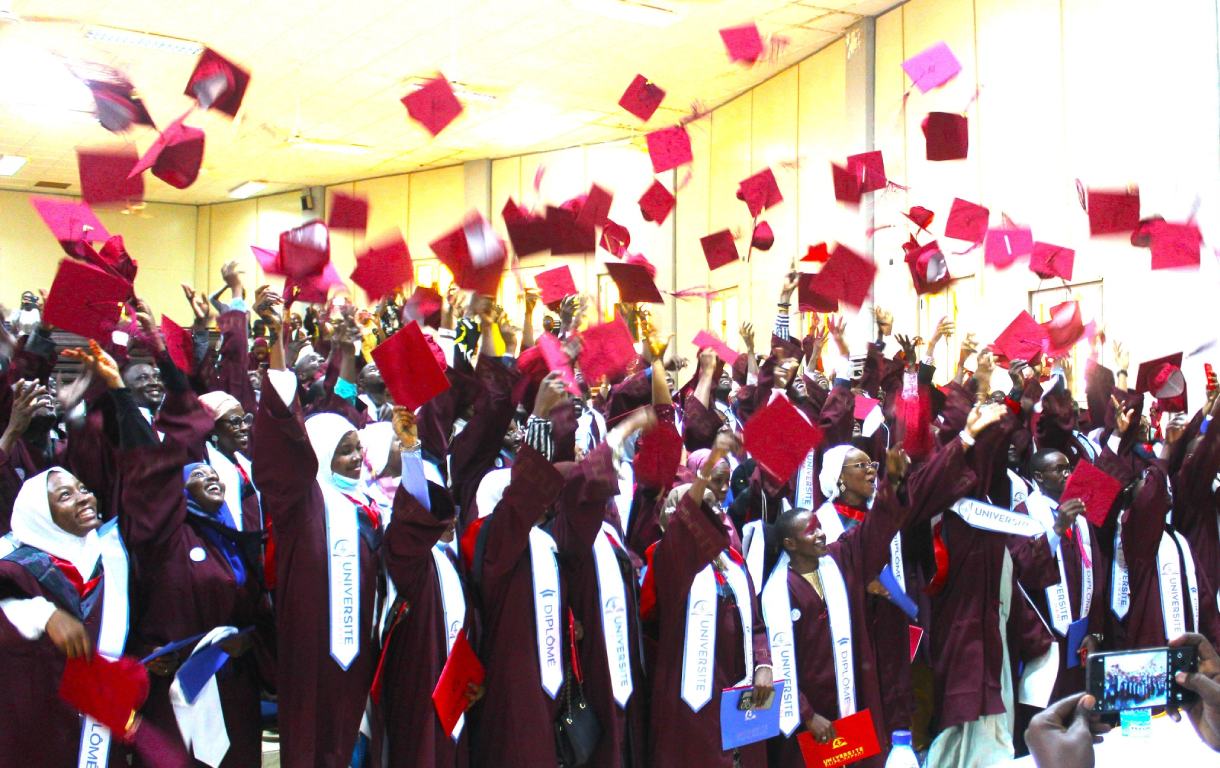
x: 233, y: 422
x: 862, y: 465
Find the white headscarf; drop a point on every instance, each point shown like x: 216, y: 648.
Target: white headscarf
x: 832, y: 470
x: 491, y: 490
x: 325, y: 431
x: 376, y: 439
x: 33, y: 526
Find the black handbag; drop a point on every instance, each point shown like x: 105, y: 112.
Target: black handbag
x: 577, y: 730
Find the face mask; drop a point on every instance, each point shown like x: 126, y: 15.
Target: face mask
x: 344, y: 483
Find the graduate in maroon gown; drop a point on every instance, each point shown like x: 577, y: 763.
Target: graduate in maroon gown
x: 699, y: 580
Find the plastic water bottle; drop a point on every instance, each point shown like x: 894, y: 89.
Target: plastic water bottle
x: 901, y: 754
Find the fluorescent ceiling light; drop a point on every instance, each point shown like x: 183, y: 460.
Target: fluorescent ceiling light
x: 322, y: 145
x: 147, y: 40
x: 653, y: 13
x: 248, y: 189
x: 10, y: 164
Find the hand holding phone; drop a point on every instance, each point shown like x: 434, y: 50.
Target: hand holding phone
x: 1204, y: 710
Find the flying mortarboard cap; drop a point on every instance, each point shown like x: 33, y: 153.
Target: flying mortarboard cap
x: 1047, y: 261
x: 706, y: 340
x: 567, y: 234
x: 1162, y: 367
x: 744, y: 43
x: 719, y: 248
x: 175, y: 156
x: 555, y: 284
x: 423, y: 306
x: 817, y: 254
x: 596, y: 208
x: 947, y: 135
x: 218, y: 83
x: 869, y: 169
x: 656, y: 203
x: 1113, y: 211
x: 104, y: 175
x: 606, y: 350
x: 967, y: 221
x: 1064, y: 329
x: 1004, y: 245
x: 72, y: 223
x: 474, y: 254
x: 932, y: 67
x: 348, y: 212
x: 528, y: 232
x: 433, y: 105
x: 409, y: 367
x: 304, y: 250
x: 1023, y: 339
x: 669, y: 148
x: 634, y: 283
x: 779, y: 438
x: 763, y: 237
x: 117, y: 106
x: 86, y: 300
x: 846, y: 277
x: 312, y: 289
x: 929, y: 270
x: 809, y: 299
x: 760, y: 192
x: 384, y: 267
x: 657, y: 456
x: 178, y: 345
x: 615, y: 238
x: 642, y: 98
x: 1174, y: 245
x: 846, y: 185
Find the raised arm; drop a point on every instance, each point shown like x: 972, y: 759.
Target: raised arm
x: 533, y: 487
x: 693, y: 537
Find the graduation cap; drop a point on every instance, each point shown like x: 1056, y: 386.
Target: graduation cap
x: 1047, y: 261
x: 409, y: 367
x: 706, y: 340
x: 967, y: 221
x: 763, y: 237
x: 846, y: 185
x: 312, y: 289
x: 932, y: 67
x: 1162, y: 376
x: 268, y: 260
x: 606, y: 350
x: 615, y: 238
x: 383, y: 267
x: 348, y: 212
x: 1097, y: 489
x: 179, y: 345
x: 528, y: 232
x: 846, y: 277
x: 669, y: 148
x: 947, y: 136
x: 73, y: 224
x: 595, y: 210
x: 808, y: 297
x: 111, y: 692
x: 116, y: 105
x: 1064, y: 329
x: 113, y: 258
x: 423, y: 306
x: 474, y: 254
x: 642, y: 98
x: 869, y: 169
x: 175, y: 156
x: 634, y: 283
x: 433, y: 105
x: 779, y: 438
x: 1004, y: 245
x: 217, y: 83
x: 719, y: 248
x: 1142, y: 236
x: 1113, y: 211
x: 1174, y: 245
x: 657, y: 456
x: 86, y: 300
x: 1023, y: 339
x: 656, y: 203
x: 104, y: 175
x: 555, y: 284
x: 760, y: 192
x: 816, y: 254
x: 304, y: 250
x: 744, y: 43
x: 556, y: 359
x: 929, y: 270
x: 567, y: 234
x: 920, y: 216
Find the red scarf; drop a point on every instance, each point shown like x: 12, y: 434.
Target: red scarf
x: 851, y: 513
x: 82, y: 587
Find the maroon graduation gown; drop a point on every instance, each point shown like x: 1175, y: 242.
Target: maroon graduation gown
x: 320, y: 704
x: 1196, y: 513
x: 694, y: 537
x: 473, y: 451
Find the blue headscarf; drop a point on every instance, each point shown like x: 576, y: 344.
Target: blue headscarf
x: 226, y: 544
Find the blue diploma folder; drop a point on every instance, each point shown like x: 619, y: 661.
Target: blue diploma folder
x: 1077, y: 631
x: 740, y: 727
x: 898, y: 595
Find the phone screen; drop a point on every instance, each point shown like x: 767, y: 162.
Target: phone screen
x: 1135, y: 680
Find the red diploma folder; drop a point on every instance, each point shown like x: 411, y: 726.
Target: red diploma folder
x: 461, y: 669
x: 110, y: 692
x: 855, y: 739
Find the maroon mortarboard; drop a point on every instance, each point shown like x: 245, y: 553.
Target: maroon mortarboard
x: 846, y: 276
x: 104, y: 175
x: 72, y: 223
x: 1174, y: 245
x: 967, y: 221
x: 744, y: 43
x: 1047, y: 261
x: 86, y: 300
x: 567, y: 234
x: 433, y: 105
x: 268, y: 260
x: 111, y: 692
x: 178, y: 344
x: 929, y: 270
x: 423, y: 306
x: 117, y: 106
x: 920, y: 216
x: 1023, y: 339
x: 555, y: 284
x: 869, y: 168
x: 1142, y: 236
x: 705, y: 340
x: 634, y: 283
x: 409, y: 367
x: 809, y: 299
x: 557, y: 359
x: 175, y: 156
x: 218, y: 83
x: 1004, y: 245
x: 312, y: 289
x: 932, y: 67
x: 636, y: 258
x: 642, y: 98
x: 817, y: 253
x: 528, y: 232
x: 474, y: 254
x: 719, y: 248
x: 1145, y: 377
x: 113, y: 258
x: 348, y: 212
x: 383, y: 267
x: 1095, y: 488
x: 451, y: 696
x: 657, y: 456
x: 846, y: 185
x: 1064, y: 329
x: 615, y: 238
x: 596, y: 208
x: 763, y: 237
x: 656, y: 203
x: 606, y: 350
x: 305, y: 250
x: 947, y: 136
x: 668, y: 148
x: 1169, y: 388
x: 760, y: 192
x: 779, y: 438
x: 1111, y: 212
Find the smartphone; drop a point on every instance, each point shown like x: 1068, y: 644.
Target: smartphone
x: 1124, y: 680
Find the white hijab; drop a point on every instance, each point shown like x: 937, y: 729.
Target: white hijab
x: 832, y: 470
x: 33, y: 526
x: 491, y: 490
x: 377, y: 439
x: 325, y: 431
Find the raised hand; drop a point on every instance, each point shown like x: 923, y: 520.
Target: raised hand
x: 99, y: 363
x: 747, y: 336
x: 551, y: 392
x: 148, y: 325
x: 791, y: 280
x: 1066, y: 514
x: 897, y: 464
x: 885, y: 321
x: 28, y: 398
x: 983, y: 416
x: 908, y: 350
x: 837, y: 326
x: 200, y: 305
x: 405, y: 427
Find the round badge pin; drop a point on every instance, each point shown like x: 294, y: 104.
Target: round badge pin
x: 198, y: 554
x: 796, y: 614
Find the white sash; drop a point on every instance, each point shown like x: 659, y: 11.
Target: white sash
x: 548, y: 618
x: 835, y: 593
x: 453, y: 604
x: 202, y: 722
x: 1169, y: 571
x: 754, y: 549
x: 896, y: 563
x: 805, y: 478
x: 699, y: 646
x: 1039, y: 675
x: 988, y: 517
x: 343, y: 577
x: 1042, y: 508
x: 615, y: 623
x: 1020, y: 489
x: 112, y: 636
x: 232, y: 481
x: 832, y: 526
x: 1120, y: 583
